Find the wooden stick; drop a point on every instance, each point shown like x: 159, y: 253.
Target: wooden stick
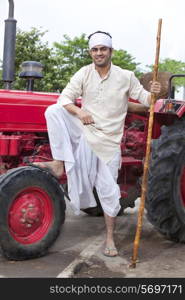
x: 147, y: 157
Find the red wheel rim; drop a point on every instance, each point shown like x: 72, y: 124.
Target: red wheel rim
x: 182, y: 186
x: 30, y: 215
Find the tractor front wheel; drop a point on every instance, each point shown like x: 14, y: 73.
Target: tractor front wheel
x: 32, y: 210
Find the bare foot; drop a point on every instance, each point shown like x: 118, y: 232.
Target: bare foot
x: 55, y: 167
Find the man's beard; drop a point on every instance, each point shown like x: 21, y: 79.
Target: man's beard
x: 103, y: 63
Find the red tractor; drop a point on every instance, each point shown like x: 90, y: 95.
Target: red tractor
x: 32, y: 205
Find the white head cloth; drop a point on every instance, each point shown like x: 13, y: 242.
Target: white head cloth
x: 100, y: 39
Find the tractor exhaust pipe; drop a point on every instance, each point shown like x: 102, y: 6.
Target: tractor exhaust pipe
x: 9, y: 48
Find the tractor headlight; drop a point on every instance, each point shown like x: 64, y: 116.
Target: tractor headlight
x: 31, y: 69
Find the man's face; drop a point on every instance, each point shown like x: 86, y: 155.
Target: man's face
x: 101, y: 55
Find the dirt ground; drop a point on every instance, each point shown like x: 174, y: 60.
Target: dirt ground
x: 157, y: 256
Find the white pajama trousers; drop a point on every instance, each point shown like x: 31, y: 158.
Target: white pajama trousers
x: 83, y: 168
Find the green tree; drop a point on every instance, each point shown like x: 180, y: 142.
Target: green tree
x: 70, y: 55
x: 124, y: 60
x: 60, y: 61
x: 29, y: 46
x: 173, y: 66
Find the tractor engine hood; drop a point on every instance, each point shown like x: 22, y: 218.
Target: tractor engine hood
x: 24, y: 111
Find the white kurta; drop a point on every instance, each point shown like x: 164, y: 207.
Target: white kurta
x: 92, y: 152
x: 83, y: 168
x: 107, y: 101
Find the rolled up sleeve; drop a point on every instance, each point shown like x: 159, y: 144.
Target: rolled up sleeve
x: 137, y: 91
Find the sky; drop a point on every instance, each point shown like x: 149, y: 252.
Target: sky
x: 132, y: 23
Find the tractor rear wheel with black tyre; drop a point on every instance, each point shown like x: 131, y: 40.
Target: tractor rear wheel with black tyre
x: 165, y: 201
x: 32, y: 210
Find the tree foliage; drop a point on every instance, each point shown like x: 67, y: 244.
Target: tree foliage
x: 61, y: 61
x: 173, y: 66
x: 66, y: 57
x: 124, y: 60
x: 70, y: 55
x: 29, y: 46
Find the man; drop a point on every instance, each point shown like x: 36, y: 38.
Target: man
x: 87, y: 140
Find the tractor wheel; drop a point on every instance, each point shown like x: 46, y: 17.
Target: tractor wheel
x: 32, y: 210
x: 165, y: 201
